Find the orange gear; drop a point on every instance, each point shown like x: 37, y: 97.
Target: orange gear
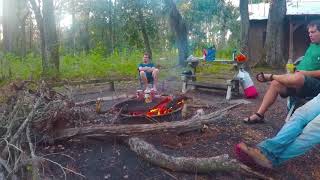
x: 241, y: 58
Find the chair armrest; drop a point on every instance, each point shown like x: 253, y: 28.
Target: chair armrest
x: 297, y: 61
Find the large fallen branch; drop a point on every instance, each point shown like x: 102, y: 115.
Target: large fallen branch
x: 193, y: 123
x: 189, y: 164
x: 126, y: 130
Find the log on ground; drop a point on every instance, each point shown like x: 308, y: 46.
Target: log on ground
x: 190, y: 164
x: 135, y: 129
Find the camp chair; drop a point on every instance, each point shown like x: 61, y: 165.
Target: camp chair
x: 293, y: 102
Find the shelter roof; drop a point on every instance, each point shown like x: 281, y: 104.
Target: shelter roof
x: 298, y: 7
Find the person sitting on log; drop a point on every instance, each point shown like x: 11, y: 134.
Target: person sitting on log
x: 305, y: 82
x: 296, y: 137
x: 148, y: 72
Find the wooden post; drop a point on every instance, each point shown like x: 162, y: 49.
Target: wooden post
x: 112, y: 86
x: 229, y: 85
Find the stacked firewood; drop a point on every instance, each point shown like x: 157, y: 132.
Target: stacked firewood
x: 29, y: 117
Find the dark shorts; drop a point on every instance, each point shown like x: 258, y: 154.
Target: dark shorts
x: 149, y: 77
x: 311, y: 88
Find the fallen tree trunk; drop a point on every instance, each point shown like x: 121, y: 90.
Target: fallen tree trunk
x: 126, y: 130
x: 189, y: 164
x: 193, y: 123
x: 186, y: 164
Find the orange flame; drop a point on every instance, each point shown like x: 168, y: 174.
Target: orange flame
x: 162, y: 108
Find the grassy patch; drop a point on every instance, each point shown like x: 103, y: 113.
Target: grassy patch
x: 95, y: 65
x: 119, y: 65
x: 211, y: 68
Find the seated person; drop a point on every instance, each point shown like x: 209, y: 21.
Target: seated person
x: 204, y: 53
x: 303, y: 83
x: 297, y: 136
x: 148, y: 72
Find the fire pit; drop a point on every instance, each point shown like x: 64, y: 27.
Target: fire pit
x: 162, y: 108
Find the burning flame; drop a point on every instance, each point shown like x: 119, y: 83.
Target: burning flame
x: 162, y: 107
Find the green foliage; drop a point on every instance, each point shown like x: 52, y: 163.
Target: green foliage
x: 112, y: 32
x: 122, y: 64
x: 256, y: 1
x: 13, y: 67
x: 225, y: 53
x: 214, y: 68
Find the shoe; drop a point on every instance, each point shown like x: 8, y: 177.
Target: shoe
x: 252, y: 156
x: 147, y: 90
x: 261, y: 77
x: 259, y: 119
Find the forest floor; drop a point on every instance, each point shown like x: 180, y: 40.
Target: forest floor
x: 109, y: 158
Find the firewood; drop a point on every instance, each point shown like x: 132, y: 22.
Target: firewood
x: 189, y: 164
x: 126, y: 130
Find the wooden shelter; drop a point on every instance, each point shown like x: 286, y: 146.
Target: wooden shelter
x: 296, y: 39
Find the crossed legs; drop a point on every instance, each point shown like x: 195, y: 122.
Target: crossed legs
x: 278, y: 86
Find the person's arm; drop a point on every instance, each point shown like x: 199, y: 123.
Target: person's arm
x: 142, y: 68
x: 315, y: 74
x: 145, y: 68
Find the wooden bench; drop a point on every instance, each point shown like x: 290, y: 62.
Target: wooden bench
x: 189, y: 80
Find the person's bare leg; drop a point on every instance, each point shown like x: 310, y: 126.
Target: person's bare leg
x: 289, y: 80
x: 144, y: 79
x: 271, y: 95
x: 278, y: 86
x: 155, y: 73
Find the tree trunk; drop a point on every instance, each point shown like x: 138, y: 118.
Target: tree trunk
x: 86, y: 37
x: 244, y: 37
x: 51, y: 38
x: 30, y: 33
x: 184, y: 164
x: 119, y: 130
x: 221, y: 163
x: 39, y: 21
x: 23, y: 40
x: 274, y: 39
x: 111, y: 33
x: 73, y: 28
x: 23, y: 13
x: 179, y: 26
x: 10, y: 25
x: 144, y: 31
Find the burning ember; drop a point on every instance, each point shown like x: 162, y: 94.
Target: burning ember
x: 161, y: 106
x: 164, y: 107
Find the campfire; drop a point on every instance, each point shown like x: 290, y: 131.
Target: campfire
x: 165, y: 108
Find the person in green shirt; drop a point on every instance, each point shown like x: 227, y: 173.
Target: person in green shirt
x: 304, y: 82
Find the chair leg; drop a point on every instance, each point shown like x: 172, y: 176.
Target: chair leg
x: 290, y: 112
x: 229, y: 85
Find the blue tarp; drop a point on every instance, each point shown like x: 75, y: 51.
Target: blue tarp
x: 211, y: 54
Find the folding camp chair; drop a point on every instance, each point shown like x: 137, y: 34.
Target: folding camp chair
x: 293, y: 102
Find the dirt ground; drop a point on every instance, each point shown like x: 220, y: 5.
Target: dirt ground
x: 110, y: 159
